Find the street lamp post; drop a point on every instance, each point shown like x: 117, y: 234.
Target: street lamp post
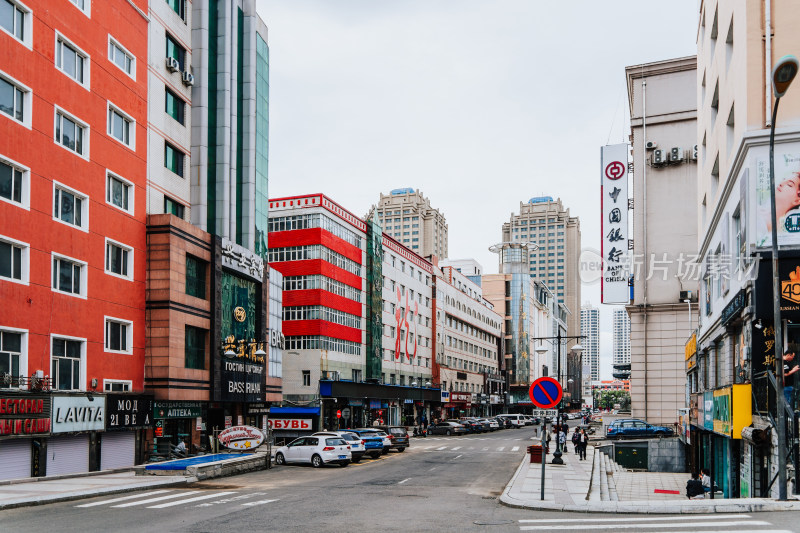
x: 782, y: 75
x: 557, y: 460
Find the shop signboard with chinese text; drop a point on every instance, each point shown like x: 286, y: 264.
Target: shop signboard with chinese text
x: 691, y: 352
x: 732, y: 410
x: 614, y: 287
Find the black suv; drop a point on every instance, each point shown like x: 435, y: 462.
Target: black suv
x: 398, y: 435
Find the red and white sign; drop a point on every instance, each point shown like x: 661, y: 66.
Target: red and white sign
x: 289, y: 423
x: 614, y: 224
x: 241, y: 438
x: 460, y: 396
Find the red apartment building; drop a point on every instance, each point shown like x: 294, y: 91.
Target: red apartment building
x: 73, y: 117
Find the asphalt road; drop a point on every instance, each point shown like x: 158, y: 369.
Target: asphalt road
x: 438, y: 484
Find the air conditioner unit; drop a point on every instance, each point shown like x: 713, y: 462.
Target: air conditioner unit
x: 675, y: 154
x: 188, y: 78
x: 687, y: 295
x: 650, y: 145
x: 694, y: 153
x: 173, y: 65
x: 658, y: 158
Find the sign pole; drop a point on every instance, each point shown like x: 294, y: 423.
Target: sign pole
x: 544, y: 454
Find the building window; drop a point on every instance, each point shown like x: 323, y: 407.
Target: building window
x: 177, y: 51
x: 68, y: 276
x: 123, y: 59
x: 119, y: 192
x: 306, y: 378
x: 121, y: 127
x: 83, y: 5
x: 13, y: 183
x: 70, y: 206
x: 119, y: 259
x: 356, y: 375
x: 13, y: 260
x: 177, y: 6
x: 66, y: 364
x: 116, y: 385
x: 71, y: 134
x: 195, y: 348
x: 119, y: 335
x: 173, y: 159
x: 13, y: 100
x: 171, y: 207
x: 72, y: 61
x: 10, y: 353
x: 195, y: 277
x: 174, y: 106
x: 15, y: 20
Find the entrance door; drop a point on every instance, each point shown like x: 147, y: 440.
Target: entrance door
x: 15, y: 456
x: 67, y: 455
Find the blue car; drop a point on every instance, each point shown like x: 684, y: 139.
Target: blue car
x: 633, y: 427
x: 373, y: 444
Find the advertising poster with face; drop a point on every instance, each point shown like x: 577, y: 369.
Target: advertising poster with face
x: 787, y: 197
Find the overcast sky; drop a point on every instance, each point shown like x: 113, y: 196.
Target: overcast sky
x: 480, y: 105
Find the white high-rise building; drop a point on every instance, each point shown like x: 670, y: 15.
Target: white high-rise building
x: 407, y: 216
x: 622, y: 344
x: 590, y: 328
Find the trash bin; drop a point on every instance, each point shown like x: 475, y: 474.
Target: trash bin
x: 536, y: 453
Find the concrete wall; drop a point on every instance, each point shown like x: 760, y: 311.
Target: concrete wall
x: 666, y: 455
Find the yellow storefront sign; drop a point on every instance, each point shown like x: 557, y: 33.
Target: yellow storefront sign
x: 732, y: 410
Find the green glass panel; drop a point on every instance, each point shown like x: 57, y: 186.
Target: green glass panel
x: 374, y: 323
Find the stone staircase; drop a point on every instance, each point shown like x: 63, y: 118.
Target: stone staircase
x: 603, y: 487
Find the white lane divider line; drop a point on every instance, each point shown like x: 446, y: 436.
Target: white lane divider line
x: 515, y: 448
x: 401, y: 482
x: 456, y: 448
x: 190, y: 500
x: 667, y: 524
x: 115, y: 500
x: 151, y: 500
x: 642, y: 519
x: 259, y: 502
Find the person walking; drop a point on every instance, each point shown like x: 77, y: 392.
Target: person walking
x: 562, y: 439
x: 575, y: 440
x: 583, y: 442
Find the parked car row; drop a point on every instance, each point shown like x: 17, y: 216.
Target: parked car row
x: 343, y: 447
x: 634, y: 427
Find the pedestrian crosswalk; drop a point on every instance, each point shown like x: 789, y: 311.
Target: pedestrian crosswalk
x: 715, y: 523
x: 167, y: 498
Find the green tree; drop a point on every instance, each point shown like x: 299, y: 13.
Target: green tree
x: 607, y: 399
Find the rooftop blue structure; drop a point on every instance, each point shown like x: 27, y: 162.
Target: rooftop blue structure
x: 406, y: 190
x: 540, y: 199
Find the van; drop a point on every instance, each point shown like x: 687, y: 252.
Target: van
x: 516, y: 420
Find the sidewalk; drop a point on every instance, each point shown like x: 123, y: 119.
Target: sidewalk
x: 39, y: 491
x: 581, y: 486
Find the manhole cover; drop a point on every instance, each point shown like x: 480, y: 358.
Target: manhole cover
x: 493, y: 522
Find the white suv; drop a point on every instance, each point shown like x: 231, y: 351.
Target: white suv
x: 357, y: 448
x: 317, y: 450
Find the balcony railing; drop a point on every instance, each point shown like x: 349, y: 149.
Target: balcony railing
x: 30, y: 383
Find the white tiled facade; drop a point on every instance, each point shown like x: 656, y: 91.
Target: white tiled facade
x: 407, y: 216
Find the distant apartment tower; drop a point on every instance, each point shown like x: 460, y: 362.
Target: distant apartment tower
x: 547, y: 223
x: 622, y: 344
x: 468, y: 267
x: 407, y: 216
x: 590, y: 328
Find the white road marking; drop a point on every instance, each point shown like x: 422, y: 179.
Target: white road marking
x: 151, y: 500
x: 501, y: 448
x: 190, y: 500
x: 515, y: 448
x: 259, y: 502
x: 115, y: 500
x: 643, y: 526
x: 456, y: 448
x: 442, y: 448
x: 486, y: 449
x: 643, y: 519
x: 401, y: 482
x: 459, y: 455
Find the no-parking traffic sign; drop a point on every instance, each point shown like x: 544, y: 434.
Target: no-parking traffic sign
x: 545, y: 393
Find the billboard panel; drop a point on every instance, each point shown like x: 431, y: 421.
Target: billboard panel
x: 614, y: 224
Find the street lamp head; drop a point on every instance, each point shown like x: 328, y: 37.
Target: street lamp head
x: 782, y: 75
x: 577, y: 348
x: 540, y: 349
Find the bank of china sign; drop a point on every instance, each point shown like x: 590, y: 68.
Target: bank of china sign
x: 614, y: 227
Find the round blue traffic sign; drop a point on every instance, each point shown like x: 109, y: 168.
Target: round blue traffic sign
x: 545, y: 393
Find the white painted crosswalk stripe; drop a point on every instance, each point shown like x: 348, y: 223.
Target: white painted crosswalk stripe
x: 442, y: 448
x: 160, y: 498
x: 515, y: 448
x: 190, y: 500
x: 124, y: 498
x: 501, y: 448
x: 259, y: 502
x: 665, y: 523
x: 485, y: 449
x: 455, y: 448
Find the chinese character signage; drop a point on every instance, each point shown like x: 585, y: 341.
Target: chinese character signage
x: 614, y: 227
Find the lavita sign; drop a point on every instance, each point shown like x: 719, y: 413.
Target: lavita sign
x: 78, y: 413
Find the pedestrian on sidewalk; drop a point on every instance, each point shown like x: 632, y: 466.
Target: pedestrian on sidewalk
x: 562, y: 439
x: 694, y: 488
x: 575, y: 439
x: 706, y: 480
x: 583, y: 441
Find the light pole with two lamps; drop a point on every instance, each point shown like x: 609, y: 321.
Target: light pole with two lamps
x: 557, y: 460
x: 782, y: 75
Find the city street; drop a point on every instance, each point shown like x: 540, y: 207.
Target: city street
x: 438, y: 484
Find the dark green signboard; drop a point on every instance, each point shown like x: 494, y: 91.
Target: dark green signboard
x: 374, y: 299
